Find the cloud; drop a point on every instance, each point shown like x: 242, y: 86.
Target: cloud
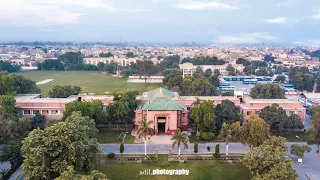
x: 316, y: 16
x: 92, y: 4
x: 193, y: 5
x: 278, y: 20
x: 49, y: 12
x: 288, y: 3
x: 136, y: 10
x: 310, y: 43
x: 248, y: 38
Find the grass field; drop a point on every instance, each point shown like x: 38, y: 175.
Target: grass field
x: 106, y: 137
x: 89, y: 81
x: 204, y: 170
x: 296, y: 136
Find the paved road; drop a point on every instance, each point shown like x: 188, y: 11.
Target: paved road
x: 311, y: 161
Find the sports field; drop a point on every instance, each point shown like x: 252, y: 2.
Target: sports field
x: 89, y: 81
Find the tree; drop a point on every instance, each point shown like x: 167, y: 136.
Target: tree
x: 216, y: 72
x: 280, y: 78
x: 50, y: 64
x: 299, y: 150
x: 92, y: 109
x: 100, y: 66
x: 199, y: 86
x: 178, y: 139
x: 6, y: 83
x: 70, y: 174
x: 267, y: 91
x: 170, y: 61
x: 12, y: 132
x: 314, y: 131
x: 214, y: 80
x: 38, y: 121
x: 195, y: 147
x: 275, y: 116
x: 7, y: 66
x: 226, y: 135
x: 268, y: 161
x: 208, y: 73
x: 241, y: 61
x: 72, y: 60
x: 301, y: 78
x: 231, y: 70
x: 143, y: 131
x: 204, y: 119
x: 64, y: 91
x: 253, y: 132
x: 262, y: 72
x: 129, y: 55
x: 49, y: 152
x: 121, y: 148
x: 109, y: 54
x: 110, y: 67
x: 8, y: 108
x: 293, y: 122
x: 23, y: 85
x: 217, y: 151
x: 226, y: 112
x: 146, y: 68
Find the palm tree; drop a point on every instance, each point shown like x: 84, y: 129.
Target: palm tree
x: 226, y: 135
x: 143, y: 132
x: 178, y: 139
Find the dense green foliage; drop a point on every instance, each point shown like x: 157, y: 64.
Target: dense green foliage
x: 195, y: 147
x: 92, y: 109
x: 121, y: 148
x: 23, y: 85
x: 268, y: 161
x: 6, y: 83
x: 314, y: 131
x: 8, y: 108
x: 49, y: 152
x: 50, y: 64
x: 226, y: 112
x: 278, y: 120
x: 109, y: 54
x: 253, y: 132
x: 64, y: 91
x: 301, y: 78
x: 170, y: 62
x: 267, y: 91
x: 217, y: 151
x: 201, y: 60
x: 7, y: 66
x: 299, y: 150
x: 204, y: 119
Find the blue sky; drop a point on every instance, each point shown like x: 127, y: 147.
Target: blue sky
x: 212, y: 21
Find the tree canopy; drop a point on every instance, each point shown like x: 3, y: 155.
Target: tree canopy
x: 23, y: 85
x: 49, y: 152
x: 301, y: 78
x: 7, y: 66
x: 204, y: 119
x: 267, y: 91
x: 64, y: 91
x: 314, y: 131
x: 267, y: 161
x: 6, y: 83
x: 226, y: 112
x: 92, y: 109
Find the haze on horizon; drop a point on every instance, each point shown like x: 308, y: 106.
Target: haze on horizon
x: 210, y: 21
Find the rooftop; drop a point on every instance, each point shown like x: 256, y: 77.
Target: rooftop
x: 278, y: 101
x: 162, y: 103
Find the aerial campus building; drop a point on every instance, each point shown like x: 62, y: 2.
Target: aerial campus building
x: 166, y: 109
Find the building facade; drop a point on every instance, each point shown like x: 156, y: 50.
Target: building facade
x: 166, y: 110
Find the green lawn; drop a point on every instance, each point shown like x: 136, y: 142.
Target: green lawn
x: 292, y: 136
x: 204, y: 170
x: 89, y: 81
x: 107, y: 137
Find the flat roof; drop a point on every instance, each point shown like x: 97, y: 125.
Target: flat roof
x: 251, y: 100
x: 22, y: 97
x: 208, y: 97
x: 48, y: 100
x: 312, y: 96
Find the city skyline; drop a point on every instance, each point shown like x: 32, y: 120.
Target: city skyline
x: 163, y: 21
